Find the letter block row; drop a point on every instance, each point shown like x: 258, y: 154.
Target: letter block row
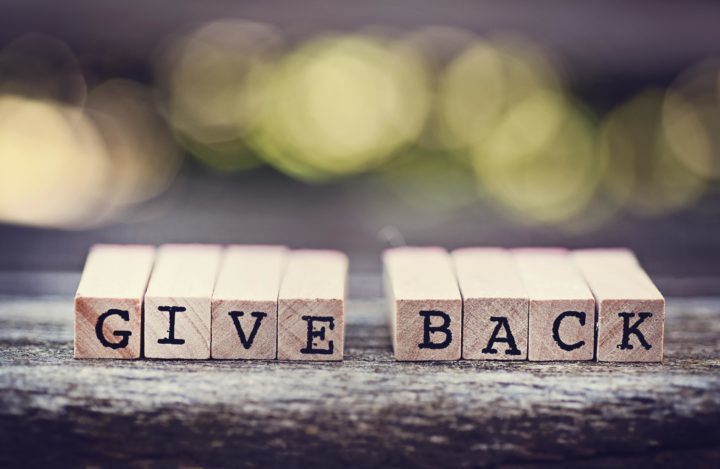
x: 206, y: 301
x: 534, y: 304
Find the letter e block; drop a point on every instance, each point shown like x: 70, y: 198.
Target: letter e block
x: 108, y: 303
x: 311, y: 306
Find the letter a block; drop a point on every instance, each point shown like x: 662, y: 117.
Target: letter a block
x: 108, y: 303
x: 562, y: 308
x: 311, y: 306
x: 425, y: 304
x: 244, y: 305
x: 177, y: 302
x: 495, y: 304
x: 631, y: 310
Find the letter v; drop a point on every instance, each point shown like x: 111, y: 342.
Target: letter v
x: 246, y: 341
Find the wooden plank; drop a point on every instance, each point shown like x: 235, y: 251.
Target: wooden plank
x: 562, y: 308
x: 311, y: 306
x: 630, y: 309
x: 495, y: 304
x: 451, y: 414
x: 108, y: 302
x: 178, y: 301
x: 425, y: 305
x: 244, y: 304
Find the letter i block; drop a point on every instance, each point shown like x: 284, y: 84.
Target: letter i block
x: 425, y: 304
x: 108, y: 303
x: 561, y: 309
x: 178, y: 301
x: 311, y: 306
x: 495, y: 304
x: 244, y: 306
x: 631, y: 310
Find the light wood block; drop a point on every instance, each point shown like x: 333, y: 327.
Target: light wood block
x: 495, y: 304
x: 311, y: 306
x: 244, y: 304
x: 178, y: 301
x: 562, y: 308
x: 108, y: 302
x: 425, y: 305
x: 631, y: 310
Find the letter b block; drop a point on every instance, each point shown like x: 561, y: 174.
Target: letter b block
x: 108, y: 303
x: 425, y: 305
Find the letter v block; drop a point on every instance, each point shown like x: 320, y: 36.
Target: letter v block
x: 178, y: 301
x: 244, y: 305
x: 561, y: 314
x: 631, y: 310
x: 311, y: 306
x: 425, y: 305
x: 108, y: 303
x: 495, y: 304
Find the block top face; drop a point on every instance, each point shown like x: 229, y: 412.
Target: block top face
x: 551, y: 275
x: 250, y: 273
x: 314, y: 274
x: 488, y: 273
x: 116, y: 271
x: 421, y: 273
x: 615, y: 275
x: 184, y: 270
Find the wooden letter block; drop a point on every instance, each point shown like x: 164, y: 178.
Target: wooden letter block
x: 244, y: 305
x: 495, y: 304
x: 178, y: 300
x: 311, y: 306
x: 562, y: 308
x: 108, y: 303
x: 631, y: 310
x: 425, y: 304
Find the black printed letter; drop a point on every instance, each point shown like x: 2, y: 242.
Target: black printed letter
x: 628, y: 329
x: 236, y: 315
x: 320, y: 334
x: 170, y: 339
x: 502, y: 323
x: 124, y: 335
x: 556, y: 330
x: 428, y: 329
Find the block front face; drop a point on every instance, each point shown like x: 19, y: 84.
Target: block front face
x: 495, y: 329
x: 177, y: 328
x: 427, y: 330
x: 631, y: 330
x: 244, y: 329
x: 311, y: 329
x: 107, y: 328
x: 561, y: 330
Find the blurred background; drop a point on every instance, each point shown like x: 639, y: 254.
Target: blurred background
x: 359, y: 125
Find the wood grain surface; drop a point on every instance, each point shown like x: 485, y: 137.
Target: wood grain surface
x: 366, y: 411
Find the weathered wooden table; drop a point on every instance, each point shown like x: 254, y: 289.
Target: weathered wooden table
x: 366, y: 411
